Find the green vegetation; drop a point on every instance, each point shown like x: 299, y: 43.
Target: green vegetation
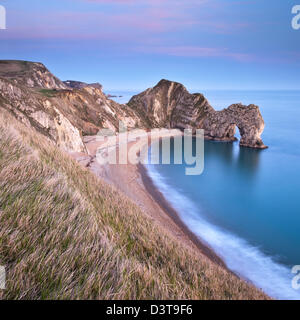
x: 50, y: 93
x: 64, y: 234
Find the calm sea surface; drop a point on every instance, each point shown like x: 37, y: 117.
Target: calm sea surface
x: 246, y: 204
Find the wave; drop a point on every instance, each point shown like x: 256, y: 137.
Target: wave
x: 242, y: 258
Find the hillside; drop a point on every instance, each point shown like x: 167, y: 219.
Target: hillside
x: 64, y: 234
x: 63, y: 112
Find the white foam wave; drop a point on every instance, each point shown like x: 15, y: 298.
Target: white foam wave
x: 242, y: 258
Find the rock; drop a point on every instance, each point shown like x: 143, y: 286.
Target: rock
x: 66, y: 111
x: 80, y: 85
x: 30, y: 74
x: 61, y: 112
x: 221, y: 125
x: 170, y: 105
x: 40, y: 115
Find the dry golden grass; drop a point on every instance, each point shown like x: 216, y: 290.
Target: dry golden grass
x: 64, y: 234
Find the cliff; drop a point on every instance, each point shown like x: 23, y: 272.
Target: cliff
x: 29, y: 74
x: 169, y: 104
x: 65, y: 111
x: 62, y: 111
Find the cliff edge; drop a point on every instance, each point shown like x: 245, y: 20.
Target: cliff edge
x: 65, y: 111
x: 62, y: 111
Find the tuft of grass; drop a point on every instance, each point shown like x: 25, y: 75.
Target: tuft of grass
x: 65, y: 234
x: 50, y: 93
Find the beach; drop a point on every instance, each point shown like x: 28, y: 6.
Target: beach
x: 134, y: 181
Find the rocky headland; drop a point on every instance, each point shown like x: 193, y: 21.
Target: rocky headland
x: 62, y: 111
x: 170, y: 105
x: 67, y: 111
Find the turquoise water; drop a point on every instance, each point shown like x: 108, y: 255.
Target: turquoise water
x: 246, y: 204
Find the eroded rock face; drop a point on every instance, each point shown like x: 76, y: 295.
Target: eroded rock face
x: 170, y: 105
x: 221, y: 125
x: 63, y: 112
x: 80, y: 85
x: 40, y: 115
x: 30, y: 74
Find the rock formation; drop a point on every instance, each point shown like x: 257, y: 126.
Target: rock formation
x: 29, y: 74
x: 221, y: 125
x: 170, y: 105
x: 63, y: 112
x: 80, y: 85
x: 40, y: 113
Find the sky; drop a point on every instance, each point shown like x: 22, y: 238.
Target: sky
x: 132, y: 44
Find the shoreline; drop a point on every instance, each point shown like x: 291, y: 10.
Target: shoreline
x: 135, y: 183
x: 168, y: 209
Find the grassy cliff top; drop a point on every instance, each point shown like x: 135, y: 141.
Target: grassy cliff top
x: 8, y: 68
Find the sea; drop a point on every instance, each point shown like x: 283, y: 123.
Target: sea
x: 246, y: 203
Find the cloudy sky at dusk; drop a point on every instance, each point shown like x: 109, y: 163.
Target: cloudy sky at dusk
x: 132, y: 44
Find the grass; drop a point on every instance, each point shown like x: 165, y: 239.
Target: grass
x: 50, y: 93
x: 64, y: 234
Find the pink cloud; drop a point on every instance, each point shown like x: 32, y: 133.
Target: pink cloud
x: 91, y: 25
x: 196, y: 51
x: 145, y: 19
x: 148, y: 22
x: 112, y: 1
x: 152, y: 2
